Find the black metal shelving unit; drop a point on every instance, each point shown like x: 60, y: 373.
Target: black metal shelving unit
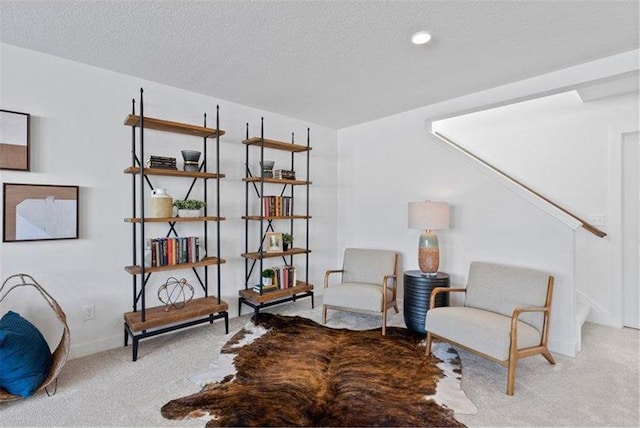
x: 144, y: 322
x: 253, y: 260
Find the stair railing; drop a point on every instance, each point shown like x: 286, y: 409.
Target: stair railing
x: 591, y: 228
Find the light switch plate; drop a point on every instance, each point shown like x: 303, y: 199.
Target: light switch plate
x: 596, y: 219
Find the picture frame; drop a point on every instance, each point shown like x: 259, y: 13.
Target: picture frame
x: 274, y: 242
x: 38, y: 212
x: 15, y: 140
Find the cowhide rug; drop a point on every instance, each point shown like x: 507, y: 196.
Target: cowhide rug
x: 291, y: 371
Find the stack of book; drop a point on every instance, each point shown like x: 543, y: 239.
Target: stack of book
x: 162, y: 162
x: 265, y: 288
x: 284, y: 174
x: 277, y: 206
x: 174, y: 251
x: 284, y: 277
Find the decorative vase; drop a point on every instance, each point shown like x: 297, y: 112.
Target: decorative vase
x: 188, y: 213
x: 191, y: 158
x: 428, y: 253
x: 161, y: 204
x: 267, y: 168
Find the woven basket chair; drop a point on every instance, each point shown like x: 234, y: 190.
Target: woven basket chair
x: 59, y: 356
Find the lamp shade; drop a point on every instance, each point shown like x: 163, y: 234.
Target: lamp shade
x: 428, y: 215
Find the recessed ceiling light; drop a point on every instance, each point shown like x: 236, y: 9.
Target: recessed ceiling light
x: 420, y: 38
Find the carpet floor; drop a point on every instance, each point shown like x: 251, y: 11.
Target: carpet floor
x: 598, y: 388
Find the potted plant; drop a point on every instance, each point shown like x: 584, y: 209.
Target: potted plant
x: 267, y: 276
x: 189, y: 207
x: 287, y: 241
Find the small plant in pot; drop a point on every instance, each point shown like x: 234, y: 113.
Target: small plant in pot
x: 189, y: 207
x: 267, y: 276
x: 287, y: 241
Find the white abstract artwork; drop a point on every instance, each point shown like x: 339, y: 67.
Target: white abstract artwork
x: 13, y: 128
x: 47, y: 218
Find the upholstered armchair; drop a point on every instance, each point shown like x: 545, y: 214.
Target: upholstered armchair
x: 505, y: 315
x: 368, y: 284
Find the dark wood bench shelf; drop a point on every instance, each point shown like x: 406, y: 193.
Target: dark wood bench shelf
x: 159, y: 317
x: 197, y: 311
x: 258, y: 301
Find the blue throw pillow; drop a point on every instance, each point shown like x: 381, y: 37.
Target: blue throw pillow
x: 25, y: 358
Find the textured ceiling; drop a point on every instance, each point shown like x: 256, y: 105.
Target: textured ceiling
x: 335, y: 63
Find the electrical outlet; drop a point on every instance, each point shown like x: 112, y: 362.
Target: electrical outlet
x: 596, y: 219
x: 88, y: 312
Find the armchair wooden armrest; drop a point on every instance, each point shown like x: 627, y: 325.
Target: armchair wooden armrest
x: 521, y: 309
x: 387, y: 278
x: 438, y: 290
x: 329, y: 272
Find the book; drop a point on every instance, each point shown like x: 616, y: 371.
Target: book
x: 277, y: 206
x: 162, y: 162
x: 173, y: 251
x: 265, y: 288
x: 284, y: 174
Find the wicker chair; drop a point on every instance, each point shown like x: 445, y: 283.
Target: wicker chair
x: 59, y: 356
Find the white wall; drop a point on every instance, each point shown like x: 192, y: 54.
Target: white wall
x: 387, y: 163
x: 78, y: 138
x: 560, y: 147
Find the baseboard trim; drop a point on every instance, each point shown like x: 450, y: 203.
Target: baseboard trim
x: 599, y: 314
x: 93, y: 347
x: 569, y: 349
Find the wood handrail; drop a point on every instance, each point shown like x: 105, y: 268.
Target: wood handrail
x: 591, y: 228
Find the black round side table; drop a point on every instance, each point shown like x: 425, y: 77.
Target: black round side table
x: 417, y: 295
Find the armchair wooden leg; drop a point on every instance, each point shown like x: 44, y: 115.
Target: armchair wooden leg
x: 429, y: 341
x: 511, y: 375
x: 547, y: 355
x: 324, y: 314
x: 384, y: 323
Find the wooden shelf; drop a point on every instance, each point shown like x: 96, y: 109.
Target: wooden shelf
x: 162, y: 319
x: 207, y: 261
x: 172, y: 172
x: 171, y: 219
x: 257, y: 298
x: 276, y: 181
x: 158, y: 316
x: 264, y: 255
x: 275, y: 144
x: 175, y: 127
x: 273, y: 217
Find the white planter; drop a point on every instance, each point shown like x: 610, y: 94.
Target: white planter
x: 266, y: 281
x: 189, y: 213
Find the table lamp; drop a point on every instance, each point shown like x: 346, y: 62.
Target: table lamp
x: 428, y: 216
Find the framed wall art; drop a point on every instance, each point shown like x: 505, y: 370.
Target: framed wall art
x: 35, y: 212
x: 14, y: 140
